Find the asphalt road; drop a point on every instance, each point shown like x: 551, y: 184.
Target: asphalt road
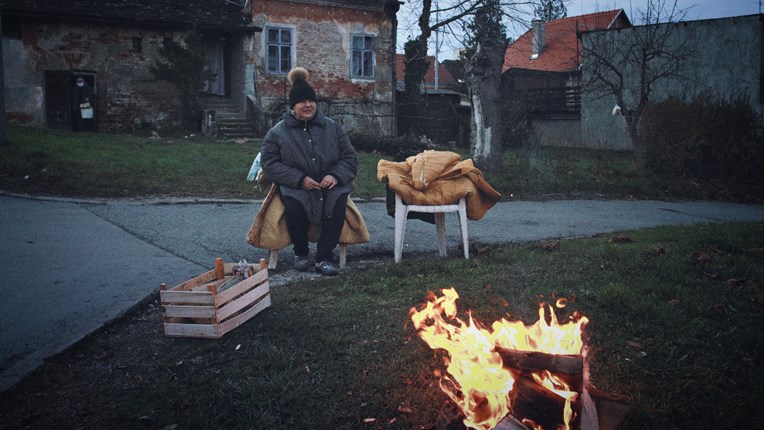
x: 69, y: 267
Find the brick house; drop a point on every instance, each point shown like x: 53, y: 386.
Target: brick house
x: 46, y: 43
x: 348, y: 47
x: 542, y: 70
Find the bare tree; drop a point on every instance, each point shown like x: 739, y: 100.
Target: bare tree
x: 3, y: 138
x: 450, y: 17
x: 549, y: 10
x: 628, y: 64
x: 429, y: 20
x: 484, y: 75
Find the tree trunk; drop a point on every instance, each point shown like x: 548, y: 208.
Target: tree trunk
x: 484, y: 75
x: 416, y: 67
x: 3, y: 139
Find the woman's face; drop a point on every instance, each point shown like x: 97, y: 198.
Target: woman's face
x: 304, y: 110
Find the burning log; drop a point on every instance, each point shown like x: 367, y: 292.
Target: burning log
x: 514, y: 376
x: 510, y: 423
x: 569, y: 368
x: 540, y: 405
x: 449, y: 417
x: 611, y: 408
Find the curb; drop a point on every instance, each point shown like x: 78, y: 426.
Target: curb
x: 157, y: 201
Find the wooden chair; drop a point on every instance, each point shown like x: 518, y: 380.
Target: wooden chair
x: 342, y: 253
x: 269, y: 229
x: 402, y: 210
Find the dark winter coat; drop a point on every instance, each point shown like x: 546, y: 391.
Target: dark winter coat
x: 294, y: 149
x: 82, y: 95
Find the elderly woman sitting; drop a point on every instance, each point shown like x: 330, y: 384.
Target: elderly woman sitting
x: 312, y: 161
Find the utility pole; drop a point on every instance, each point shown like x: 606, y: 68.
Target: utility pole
x: 435, y: 61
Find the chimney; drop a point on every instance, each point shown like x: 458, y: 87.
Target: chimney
x: 537, y: 38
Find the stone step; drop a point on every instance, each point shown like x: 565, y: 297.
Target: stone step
x: 230, y: 120
x: 229, y: 114
x: 228, y: 128
x: 238, y: 135
x: 233, y: 125
x: 239, y: 119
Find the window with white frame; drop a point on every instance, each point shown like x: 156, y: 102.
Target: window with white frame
x: 278, y: 49
x: 362, y: 56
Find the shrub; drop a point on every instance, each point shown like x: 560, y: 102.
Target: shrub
x: 516, y: 128
x: 183, y: 64
x: 705, y: 139
x: 398, y: 148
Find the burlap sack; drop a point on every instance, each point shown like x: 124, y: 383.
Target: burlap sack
x: 269, y: 228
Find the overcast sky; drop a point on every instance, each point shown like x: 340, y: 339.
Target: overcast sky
x: 694, y: 10
x: 697, y: 9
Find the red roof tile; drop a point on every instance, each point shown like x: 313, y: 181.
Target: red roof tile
x: 561, y: 49
x: 445, y: 79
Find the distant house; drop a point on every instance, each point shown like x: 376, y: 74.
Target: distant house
x: 47, y: 43
x: 542, y: 69
x: 348, y: 47
x: 727, y: 64
x: 442, y: 117
x: 545, y: 67
x: 443, y: 80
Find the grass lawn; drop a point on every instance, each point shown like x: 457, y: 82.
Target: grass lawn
x: 103, y: 165
x: 676, y: 313
x: 676, y: 323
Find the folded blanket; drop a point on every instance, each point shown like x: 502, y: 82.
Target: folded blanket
x: 439, y: 178
x: 269, y: 228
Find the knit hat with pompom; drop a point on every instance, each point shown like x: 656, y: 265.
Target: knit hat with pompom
x: 301, y: 90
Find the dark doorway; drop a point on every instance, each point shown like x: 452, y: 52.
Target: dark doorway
x: 217, y: 53
x: 57, y: 105
x: 58, y: 98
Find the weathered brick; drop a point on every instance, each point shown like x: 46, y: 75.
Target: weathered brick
x: 322, y: 34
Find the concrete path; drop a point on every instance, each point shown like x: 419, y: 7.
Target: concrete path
x: 68, y: 267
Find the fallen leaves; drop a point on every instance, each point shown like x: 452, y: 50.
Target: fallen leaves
x: 701, y: 256
x: 705, y: 255
x: 401, y: 410
x: 719, y: 309
x: 620, y: 239
x: 734, y: 282
x: 635, y: 345
x: 478, y: 249
x: 547, y: 246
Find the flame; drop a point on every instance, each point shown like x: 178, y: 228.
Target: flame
x: 550, y: 338
x: 476, y: 380
x: 557, y: 386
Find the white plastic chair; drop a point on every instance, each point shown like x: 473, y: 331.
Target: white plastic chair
x: 438, y: 211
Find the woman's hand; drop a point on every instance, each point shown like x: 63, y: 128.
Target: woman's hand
x: 329, y: 182
x: 309, y: 184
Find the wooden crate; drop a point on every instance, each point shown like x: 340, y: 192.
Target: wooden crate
x: 216, y: 302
